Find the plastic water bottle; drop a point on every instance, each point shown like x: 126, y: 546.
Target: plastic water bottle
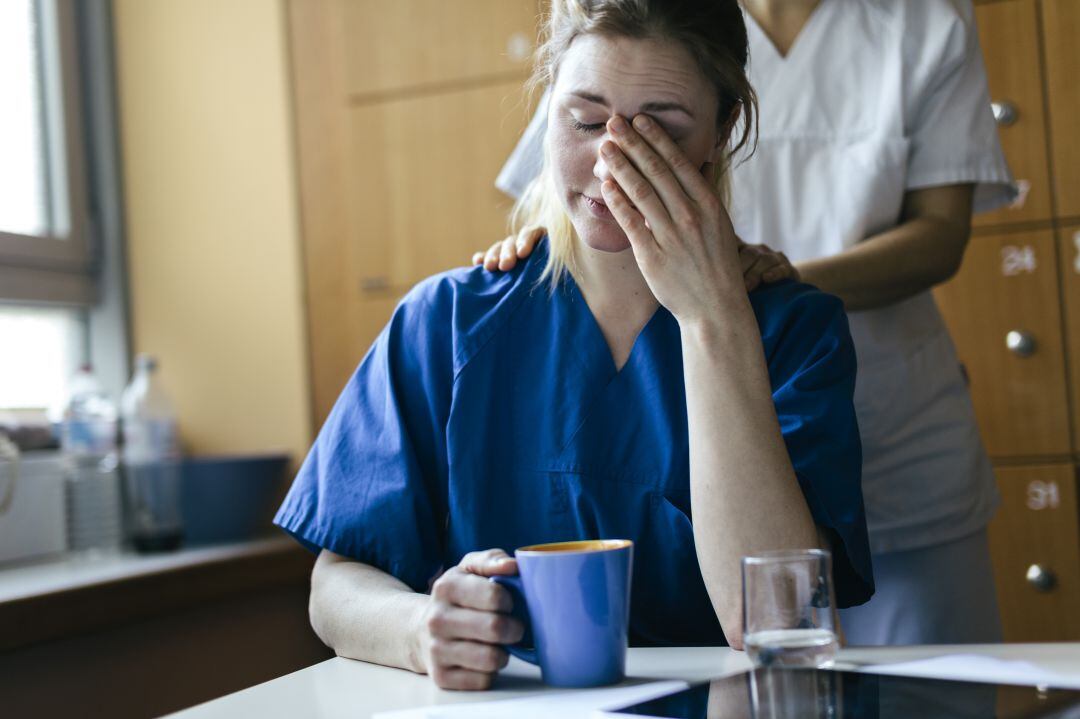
x: 151, y: 461
x: 91, y: 479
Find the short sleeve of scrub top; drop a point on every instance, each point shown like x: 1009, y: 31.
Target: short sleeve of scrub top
x: 373, y: 486
x: 951, y: 125
x: 489, y: 413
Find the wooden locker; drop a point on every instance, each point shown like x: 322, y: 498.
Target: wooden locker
x: 1069, y: 258
x: 1009, y: 35
x: 1035, y: 545
x: 1061, y: 28
x: 1003, y: 312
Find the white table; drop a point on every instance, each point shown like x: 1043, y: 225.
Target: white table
x: 347, y: 688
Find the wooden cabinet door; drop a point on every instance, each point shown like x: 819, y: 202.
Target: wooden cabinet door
x: 1035, y: 545
x: 396, y: 45
x: 405, y: 113
x: 423, y: 170
x: 1008, y: 32
x: 1061, y: 29
x: 1008, y: 284
x: 1069, y: 258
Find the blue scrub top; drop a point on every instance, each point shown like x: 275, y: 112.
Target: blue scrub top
x: 489, y: 413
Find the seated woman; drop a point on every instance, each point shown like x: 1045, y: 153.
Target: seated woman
x: 617, y: 384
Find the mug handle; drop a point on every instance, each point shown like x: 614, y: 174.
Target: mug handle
x: 520, y: 611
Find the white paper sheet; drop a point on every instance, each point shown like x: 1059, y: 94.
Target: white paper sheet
x: 578, y: 704
x: 972, y: 667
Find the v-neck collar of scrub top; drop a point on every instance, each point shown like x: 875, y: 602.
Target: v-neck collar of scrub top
x: 591, y: 327
x: 804, y: 37
x: 612, y: 394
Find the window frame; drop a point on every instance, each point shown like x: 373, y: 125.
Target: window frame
x: 58, y: 267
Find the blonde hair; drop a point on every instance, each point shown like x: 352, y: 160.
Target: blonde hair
x: 713, y: 31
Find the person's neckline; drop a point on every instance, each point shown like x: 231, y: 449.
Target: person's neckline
x: 796, y: 43
x: 614, y: 369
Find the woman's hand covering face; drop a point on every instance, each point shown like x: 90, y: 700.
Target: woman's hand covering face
x: 670, y: 210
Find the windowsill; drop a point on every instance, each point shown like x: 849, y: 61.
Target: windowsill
x: 66, y: 572
x: 71, y: 595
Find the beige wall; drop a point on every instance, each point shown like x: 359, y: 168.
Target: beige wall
x: 212, y: 226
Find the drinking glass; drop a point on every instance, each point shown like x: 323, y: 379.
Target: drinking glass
x: 788, y: 608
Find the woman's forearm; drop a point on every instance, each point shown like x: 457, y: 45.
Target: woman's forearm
x: 924, y: 250
x: 743, y: 491
x: 887, y: 268
x: 364, y: 613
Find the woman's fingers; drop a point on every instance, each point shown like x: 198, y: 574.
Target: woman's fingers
x: 491, y: 257
x: 466, y: 622
x: 527, y: 239
x: 689, y: 177
x: 469, y: 655
x: 780, y: 271
x: 748, y: 255
x: 644, y: 177
x: 507, y: 254
x: 455, y: 622
x: 630, y: 220
x: 461, y: 679
x: 654, y: 167
x: 488, y: 563
x: 504, y: 254
x: 760, y: 264
x: 751, y: 263
x: 462, y: 589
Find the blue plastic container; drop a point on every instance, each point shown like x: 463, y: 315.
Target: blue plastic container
x: 228, y: 499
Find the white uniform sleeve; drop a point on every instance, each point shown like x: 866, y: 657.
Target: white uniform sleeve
x: 949, y: 121
x: 527, y: 159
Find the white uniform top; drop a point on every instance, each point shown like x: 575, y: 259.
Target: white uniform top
x: 877, y: 97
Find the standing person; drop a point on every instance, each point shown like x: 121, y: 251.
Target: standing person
x: 876, y: 143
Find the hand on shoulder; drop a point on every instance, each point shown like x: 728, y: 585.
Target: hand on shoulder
x: 504, y: 254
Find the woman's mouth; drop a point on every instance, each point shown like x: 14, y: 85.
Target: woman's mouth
x: 597, y: 207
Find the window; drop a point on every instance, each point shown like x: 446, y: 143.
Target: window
x: 23, y: 175
x: 62, y: 294
x: 41, y: 346
x: 44, y: 241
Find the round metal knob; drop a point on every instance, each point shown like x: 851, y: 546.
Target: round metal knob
x: 1020, y: 343
x: 1005, y: 113
x: 1041, y: 578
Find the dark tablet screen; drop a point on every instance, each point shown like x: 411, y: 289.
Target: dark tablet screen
x: 821, y: 694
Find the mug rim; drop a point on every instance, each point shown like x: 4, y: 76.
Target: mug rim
x: 578, y: 546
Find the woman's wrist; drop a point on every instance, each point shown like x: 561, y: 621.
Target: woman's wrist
x: 415, y: 650
x: 730, y: 315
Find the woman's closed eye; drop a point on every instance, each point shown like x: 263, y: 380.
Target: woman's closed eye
x: 585, y: 127
x: 591, y: 128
